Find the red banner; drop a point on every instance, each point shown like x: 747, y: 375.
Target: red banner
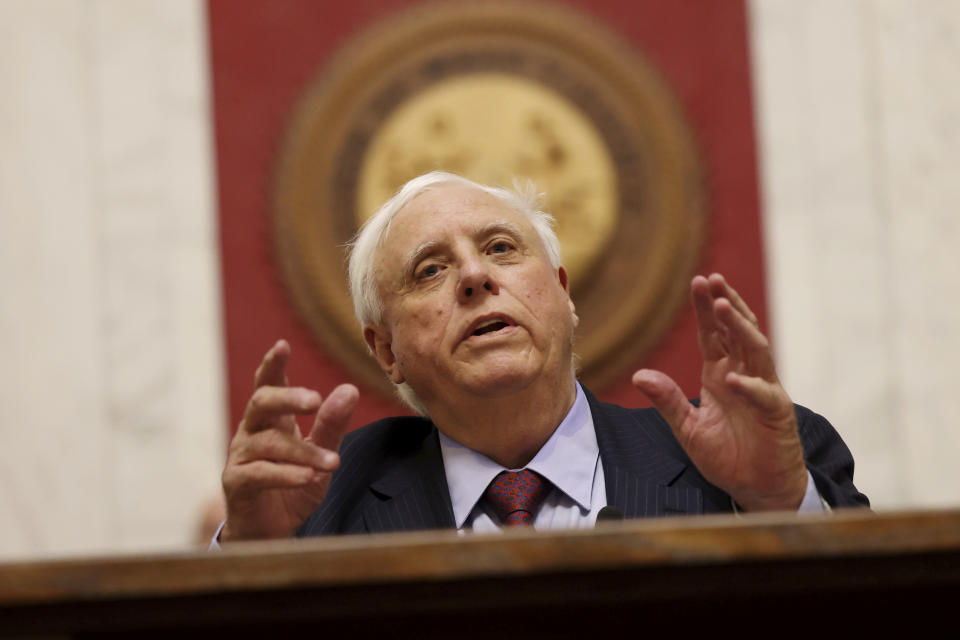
x: 265, y: 54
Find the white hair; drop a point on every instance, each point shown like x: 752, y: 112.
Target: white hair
x: 364, y: 290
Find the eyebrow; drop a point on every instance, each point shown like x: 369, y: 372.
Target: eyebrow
x: 499, y: 226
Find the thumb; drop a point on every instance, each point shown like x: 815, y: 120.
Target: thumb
x: 334, y: 416
x: 665, y: 395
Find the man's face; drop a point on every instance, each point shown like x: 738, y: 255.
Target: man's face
x: 471, y: 302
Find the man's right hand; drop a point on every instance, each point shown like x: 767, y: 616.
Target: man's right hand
x: 274, y: 478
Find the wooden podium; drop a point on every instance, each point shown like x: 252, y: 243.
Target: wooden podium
x: 852, y: 569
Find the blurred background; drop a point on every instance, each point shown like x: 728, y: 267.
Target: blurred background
x: 134, y: 242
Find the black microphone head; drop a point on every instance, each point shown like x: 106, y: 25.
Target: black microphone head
x: 609, y: 513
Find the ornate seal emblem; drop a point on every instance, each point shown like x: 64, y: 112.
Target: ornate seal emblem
x: 498, y: 92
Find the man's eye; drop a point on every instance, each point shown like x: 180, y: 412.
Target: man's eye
x: 501, y: 247
x: 429, y: 271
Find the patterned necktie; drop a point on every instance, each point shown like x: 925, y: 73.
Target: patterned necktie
x: 515, y: 495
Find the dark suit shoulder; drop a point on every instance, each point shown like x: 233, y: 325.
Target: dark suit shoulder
x: 646, y: 416
x: 827, y: 457
x: 389, y: 435
x: 377, y: 461
x: 628, y: 425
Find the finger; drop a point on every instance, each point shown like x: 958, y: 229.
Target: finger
x: 276, y: 446
x: 767, y: 396
x: 264, y: 474
x: 748, y: 344
x: 334, y: 417
x: 268, y: 404
x: 665, y: 395
x: 273, y: 368
x: 720, y: 288
x: 709, y: 331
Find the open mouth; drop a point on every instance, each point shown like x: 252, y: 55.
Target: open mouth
x: 489, y: 325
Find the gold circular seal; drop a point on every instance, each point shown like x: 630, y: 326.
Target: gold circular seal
x: 494, y: 128
x: 499, y: 93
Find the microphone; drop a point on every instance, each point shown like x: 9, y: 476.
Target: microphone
x: 608, y: 514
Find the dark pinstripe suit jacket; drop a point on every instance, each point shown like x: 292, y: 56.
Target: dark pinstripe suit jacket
x: 391, y: 476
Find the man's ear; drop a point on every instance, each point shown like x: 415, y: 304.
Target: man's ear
x: 565, y: 283
x: 380, y: 342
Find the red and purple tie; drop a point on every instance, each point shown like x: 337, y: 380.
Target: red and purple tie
x: 515, y: 496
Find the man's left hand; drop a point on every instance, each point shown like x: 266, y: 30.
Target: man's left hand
x: 743, y: 437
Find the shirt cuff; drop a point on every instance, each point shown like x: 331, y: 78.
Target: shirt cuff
x: 215, y: 543
x: 811, y: 503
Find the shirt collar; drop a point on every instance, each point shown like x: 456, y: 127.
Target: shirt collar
x: 568, y: 460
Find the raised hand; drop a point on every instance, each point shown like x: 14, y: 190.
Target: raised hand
x: 274, y: 478
x: 743, y: 438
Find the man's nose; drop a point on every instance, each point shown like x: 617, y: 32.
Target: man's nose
x: 476, y: 278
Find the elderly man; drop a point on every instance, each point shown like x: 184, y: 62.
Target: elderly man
x: 464, y: 303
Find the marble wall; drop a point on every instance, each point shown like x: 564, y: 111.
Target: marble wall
x: 112, y: 418
x: 859, y: 125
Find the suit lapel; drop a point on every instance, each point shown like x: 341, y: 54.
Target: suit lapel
x: 413, y: 494
x: 640, y: 463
